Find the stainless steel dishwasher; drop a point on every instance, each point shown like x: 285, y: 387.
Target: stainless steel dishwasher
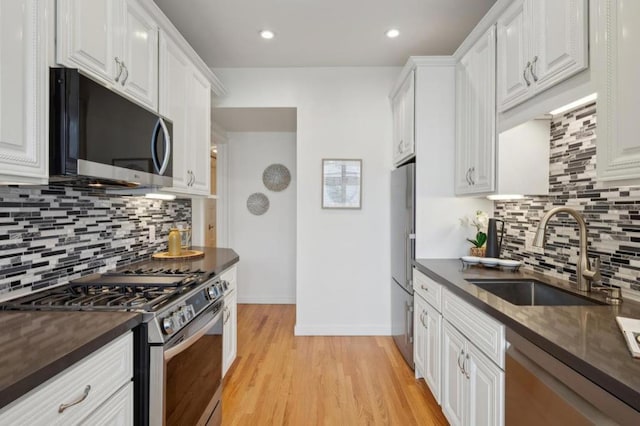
x: 541, y: 390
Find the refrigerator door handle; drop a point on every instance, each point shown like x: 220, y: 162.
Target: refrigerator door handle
x: 408, y: 258
x: 409, y: 322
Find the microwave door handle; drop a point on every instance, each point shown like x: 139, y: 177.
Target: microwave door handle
x: 191, y: 340
x: 161, y: 168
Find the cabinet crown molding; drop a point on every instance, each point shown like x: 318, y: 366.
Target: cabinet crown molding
x: 420, y: 61
x: 489, y: 19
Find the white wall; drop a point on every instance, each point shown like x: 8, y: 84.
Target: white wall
x: 439, y: 233
x: 342, y: 262
x: 266, y: 243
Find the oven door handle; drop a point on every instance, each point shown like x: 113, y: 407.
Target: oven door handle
x: 189, y: 341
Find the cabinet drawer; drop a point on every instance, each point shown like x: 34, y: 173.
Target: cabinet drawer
x: 430, y: 290
x: 106, y: 371
x: 482, y: 330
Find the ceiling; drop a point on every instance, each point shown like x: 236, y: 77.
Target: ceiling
x: 316, y: 33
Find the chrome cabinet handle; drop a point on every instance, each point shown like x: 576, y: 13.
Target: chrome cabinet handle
x: 422, y: 319
x: 533, y: 67
x: 84, y: 396
x: 119, y: 63
x: 464, y: 366
x: 226, y: 319
x: 424, y: 288
x: 473, y: 170
x: 467, y: 176
x: 459, y: 355
x: 524, y: 73
x: 126, y: 75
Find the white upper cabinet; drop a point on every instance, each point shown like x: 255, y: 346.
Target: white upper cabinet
x: 114, y: 41
x: 618, y: 62
x: 140, y: 55
x: 24, y: 92
x: 476, y: 118
x: 199, y: 114
x: 185, y: 99
x: 403, y: 113
x: 540, y: 44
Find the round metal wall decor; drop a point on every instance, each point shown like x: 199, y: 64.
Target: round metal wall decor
x: 257, y: 203
x: 276, y: 177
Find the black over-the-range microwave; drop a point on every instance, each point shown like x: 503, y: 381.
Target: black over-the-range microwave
x: 100, y: 138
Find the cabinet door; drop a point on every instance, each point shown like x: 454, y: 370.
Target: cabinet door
x: 476, y: 117
x: 463, y: 126
x: 85, y: 36
x: 230, y: 332
x: 199, y: 132
x: 454, y: 398
x: 513, y: 78
x: 408, y: 118
x: 433, y: 353
x: 174, y: 78
x: 403, y: 109
x: 420, y: 335
x: 397, y: 111
x: 485, y: 389
x: 140, y: 55
x: 560, y: 40
x: 24, y: 91
x: 483, y: 101
x: 618, y: 147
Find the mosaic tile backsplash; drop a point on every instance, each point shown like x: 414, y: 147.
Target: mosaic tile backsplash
x: 50, y: 235
x: 612, y: 214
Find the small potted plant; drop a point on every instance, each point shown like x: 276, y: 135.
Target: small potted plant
x: 479, y: 222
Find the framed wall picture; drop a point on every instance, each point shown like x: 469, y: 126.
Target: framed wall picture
x: 341, y: 184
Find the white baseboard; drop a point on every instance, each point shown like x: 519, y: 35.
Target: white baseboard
x: 267, y: 300
x: 342, y: 330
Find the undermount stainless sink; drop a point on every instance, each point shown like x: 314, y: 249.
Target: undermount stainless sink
x: 528, y: 292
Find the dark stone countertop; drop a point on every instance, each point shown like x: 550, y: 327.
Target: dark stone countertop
x: 586, y: 338
x: 215, y: 260
x: 38, y: 345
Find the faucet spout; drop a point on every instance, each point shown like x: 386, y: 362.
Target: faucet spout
x: 585, y: 275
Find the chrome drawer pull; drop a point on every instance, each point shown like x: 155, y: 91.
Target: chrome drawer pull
x: 424, y: 288
x: 78, y: 401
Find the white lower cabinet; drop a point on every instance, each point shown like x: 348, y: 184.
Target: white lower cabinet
x: 427, y: 332
x: 472, y: 382
x: 428, y: 329
x: 473, y: 386
x: 100, y: 383
x: 230, y: 321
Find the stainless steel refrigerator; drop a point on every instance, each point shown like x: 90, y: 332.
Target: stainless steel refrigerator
x: 402, y: 254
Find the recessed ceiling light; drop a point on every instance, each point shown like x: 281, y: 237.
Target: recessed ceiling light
x: 267, y: 35
x: 392, y: 33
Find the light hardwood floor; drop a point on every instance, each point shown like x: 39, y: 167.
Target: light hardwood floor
x: 280, y: 379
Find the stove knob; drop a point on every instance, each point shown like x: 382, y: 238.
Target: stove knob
x: 167, y: 325
x: 188, y: 312
x: 212, y: 293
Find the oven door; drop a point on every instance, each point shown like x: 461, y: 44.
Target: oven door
x: 193, y: 372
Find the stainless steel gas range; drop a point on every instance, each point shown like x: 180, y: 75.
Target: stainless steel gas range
x: 178, y: 348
